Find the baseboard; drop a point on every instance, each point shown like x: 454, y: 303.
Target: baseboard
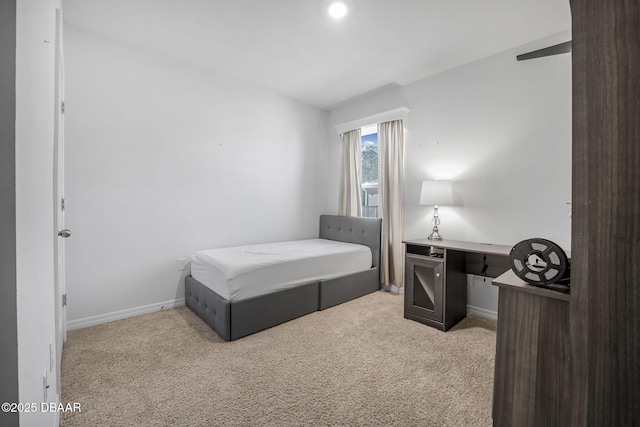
x: 481, y: 312
x: 123, y: 314
x: 393, y: 289
x: 56, y: 416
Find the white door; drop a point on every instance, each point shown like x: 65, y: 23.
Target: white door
x: 58, y: 194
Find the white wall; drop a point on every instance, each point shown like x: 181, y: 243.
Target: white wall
x: 501, y: 130
x: 35, y: 71
x: 164, y: 159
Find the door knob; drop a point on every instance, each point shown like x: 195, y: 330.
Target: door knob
x: 437, y: 274
x: 64, y: 233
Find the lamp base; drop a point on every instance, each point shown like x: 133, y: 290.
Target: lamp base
x: 435, y: 235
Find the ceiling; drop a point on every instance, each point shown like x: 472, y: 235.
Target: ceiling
x: 294, y: 48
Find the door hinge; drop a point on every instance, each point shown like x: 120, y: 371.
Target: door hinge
x: 64, y: 300
x: 62, y: 107
x: 62, y: 204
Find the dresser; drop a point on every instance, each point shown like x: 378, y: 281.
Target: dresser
x: 531, y: 382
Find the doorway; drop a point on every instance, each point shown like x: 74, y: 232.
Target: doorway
x: 58, y: 205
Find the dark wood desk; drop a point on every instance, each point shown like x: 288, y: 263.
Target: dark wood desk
x: 531, y: 381
x: 436, y: 286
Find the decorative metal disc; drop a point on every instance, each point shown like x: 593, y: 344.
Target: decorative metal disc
x: 538, y: 261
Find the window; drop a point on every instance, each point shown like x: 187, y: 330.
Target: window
x: 369, y: 179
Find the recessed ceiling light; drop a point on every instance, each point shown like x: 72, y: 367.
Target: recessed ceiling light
x: 337, y: 9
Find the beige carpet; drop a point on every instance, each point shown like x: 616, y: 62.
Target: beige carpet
x: 358, y: 364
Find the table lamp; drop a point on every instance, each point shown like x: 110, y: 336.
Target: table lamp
x: 436, y: 193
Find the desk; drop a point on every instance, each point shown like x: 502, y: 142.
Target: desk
x: 531, y: 382
x: 435, y: 277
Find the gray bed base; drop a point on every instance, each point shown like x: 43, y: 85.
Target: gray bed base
x: 233, y: 320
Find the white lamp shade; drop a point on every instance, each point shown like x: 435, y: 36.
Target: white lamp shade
x: 436, y: 193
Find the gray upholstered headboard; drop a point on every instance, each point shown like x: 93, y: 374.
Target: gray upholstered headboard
x: 353, y: 229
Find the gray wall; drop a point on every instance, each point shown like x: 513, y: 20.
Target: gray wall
x: 8, y: 319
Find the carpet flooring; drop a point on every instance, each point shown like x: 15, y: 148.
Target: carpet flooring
x: 357, y: 364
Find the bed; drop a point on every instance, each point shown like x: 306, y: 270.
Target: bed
x: 238, y: 299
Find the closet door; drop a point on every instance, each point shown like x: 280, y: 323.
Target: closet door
x: 605, y: 234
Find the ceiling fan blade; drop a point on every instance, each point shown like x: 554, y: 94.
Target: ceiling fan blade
x: 547, y: 51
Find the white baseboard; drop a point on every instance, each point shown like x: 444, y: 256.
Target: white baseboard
x: 56, y: 417
x: 481, y: 312
x: 393, y: 289
x: 123, y: 314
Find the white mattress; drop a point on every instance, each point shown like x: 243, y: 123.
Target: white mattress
x: 247, y: 271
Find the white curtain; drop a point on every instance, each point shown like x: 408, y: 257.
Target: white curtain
x: 350, y: 175
x: 391, y: 201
